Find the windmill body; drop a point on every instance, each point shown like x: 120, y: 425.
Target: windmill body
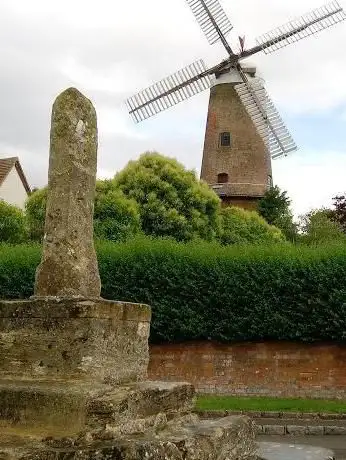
x: 236, y: 161
x: 244, y: 130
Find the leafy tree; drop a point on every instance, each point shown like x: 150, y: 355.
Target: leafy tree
x: 339, y: 211
x: 172, y: 202
x: 317, y: 227
x: 275, y: 208
x: 116, y: 218
x: 240, y: 226
x: 274, y: 205
x: 288, y: 227
x: 35, y: 212
x: 12, y: 224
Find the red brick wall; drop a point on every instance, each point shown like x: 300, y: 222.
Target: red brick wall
x: 275, y: 368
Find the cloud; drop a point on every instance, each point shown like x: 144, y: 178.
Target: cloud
x: 111, y: 50
x: 312, y: 179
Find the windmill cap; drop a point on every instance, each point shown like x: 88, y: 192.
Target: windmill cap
x: 249, y: 67
x: 233, y: 76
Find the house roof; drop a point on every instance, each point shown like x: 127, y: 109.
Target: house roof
x: 6, y: 164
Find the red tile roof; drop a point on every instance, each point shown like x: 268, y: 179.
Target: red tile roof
x: 6, y: 165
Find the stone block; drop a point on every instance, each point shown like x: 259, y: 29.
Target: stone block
x: 143, y: 399
x: 259, y: 429
x: 274, y: 429
x: 42, y: 409
x: 333, y: 430
x: 74, y: 339
x: 296, y: 430
x: 314, y: 430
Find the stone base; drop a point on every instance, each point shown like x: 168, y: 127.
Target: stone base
x: 64, y: 339
x: 231, y: 438
x: 46, y: 409
x: 144, y: 420
x: 72, y: 386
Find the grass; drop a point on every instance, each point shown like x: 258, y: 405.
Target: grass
x: 210, y: 403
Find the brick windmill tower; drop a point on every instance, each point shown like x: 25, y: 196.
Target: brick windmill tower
x: 236, y: 160
x: 244, y: 130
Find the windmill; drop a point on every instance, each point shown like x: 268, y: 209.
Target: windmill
x: 244, y: 130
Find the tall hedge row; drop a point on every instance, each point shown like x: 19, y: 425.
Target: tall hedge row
x: 204, y: 291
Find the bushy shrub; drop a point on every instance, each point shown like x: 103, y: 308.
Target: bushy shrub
x: 246, y: 227
x: 35, y: 213
x: 12, y: 224
x: 318, y: 227
x: 205, y: 291
x: 172, y: 201
x: 116, y: 217
x: 17, y: 270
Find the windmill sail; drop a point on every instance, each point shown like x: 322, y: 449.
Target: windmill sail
x: 170, y: 91
x: 211, y: 18
x: 266, y: 118
x: 309, y: 24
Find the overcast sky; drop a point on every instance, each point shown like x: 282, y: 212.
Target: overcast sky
x: 110, y: 49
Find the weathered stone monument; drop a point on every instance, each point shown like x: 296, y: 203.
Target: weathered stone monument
x: 73, y: 365
x: 69, y: 266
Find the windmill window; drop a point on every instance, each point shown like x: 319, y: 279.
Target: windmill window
x: 270, y: 181
x: 225, y: 139
x: 222, y: 178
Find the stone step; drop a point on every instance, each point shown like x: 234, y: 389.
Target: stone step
x: 67, y: 408
x: 230, y: 438
x: 143, y: 399
x: 42, y: 408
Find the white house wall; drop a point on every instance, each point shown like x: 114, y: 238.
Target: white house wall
x: 12, y: 190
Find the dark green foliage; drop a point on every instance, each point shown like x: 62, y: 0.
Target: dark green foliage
x: 17, y: 270
x: 273, y: 205
x: 205, y: 291
x: 339, y: 211
x: 12, y: 224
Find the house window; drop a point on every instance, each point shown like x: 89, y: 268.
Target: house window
x: 225, y: 139
x: 222, y: 178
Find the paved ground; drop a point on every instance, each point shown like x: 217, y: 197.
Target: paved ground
x: 335, y: 443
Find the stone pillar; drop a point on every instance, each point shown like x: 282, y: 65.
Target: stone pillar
x: 69, y: 265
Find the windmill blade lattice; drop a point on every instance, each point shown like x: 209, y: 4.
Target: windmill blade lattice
x: 211, y: 18
x: 266, y: 118
x: 309, y: 24
x: 183, y: 84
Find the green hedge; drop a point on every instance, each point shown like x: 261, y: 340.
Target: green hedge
x: 204, y: 291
